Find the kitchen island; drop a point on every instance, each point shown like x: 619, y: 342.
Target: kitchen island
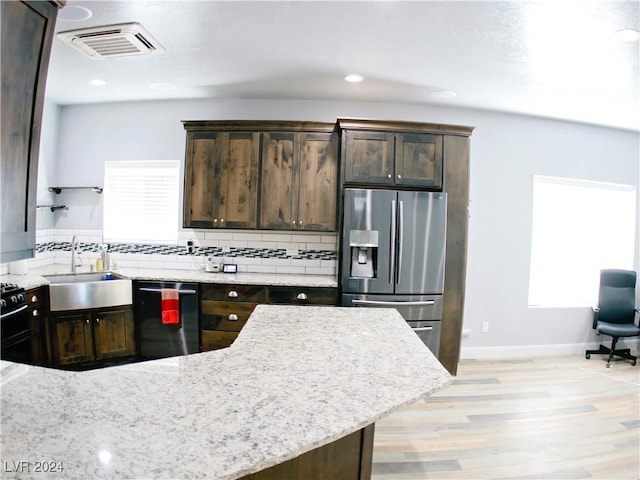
x: 296, y: 379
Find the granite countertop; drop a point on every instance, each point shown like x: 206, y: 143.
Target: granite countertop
x: 295, y: 379
x: 36, y: 277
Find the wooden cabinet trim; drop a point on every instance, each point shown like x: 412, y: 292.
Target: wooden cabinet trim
x: 253, y: 125
x: 401, y: 126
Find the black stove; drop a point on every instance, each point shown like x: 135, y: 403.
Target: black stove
x: 14, y: 326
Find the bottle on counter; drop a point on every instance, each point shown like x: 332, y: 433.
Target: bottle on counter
x: 99, y: 264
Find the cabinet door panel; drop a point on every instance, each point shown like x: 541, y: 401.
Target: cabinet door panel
x: 201, y: 189
x: 114, y: 334
x: 419, y: 160
x: 238, y: 200
x: 318, y: 182
x: 214, y: 339
x: 369, y: 157
x: 27, y: 30
x: 72, y: 337
x: 279, y: 180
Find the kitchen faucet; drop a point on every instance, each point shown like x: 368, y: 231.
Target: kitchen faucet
x: 74, y: 246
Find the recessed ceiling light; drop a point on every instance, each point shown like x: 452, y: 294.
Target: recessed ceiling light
x: 354, y: 78
x: 71, y: 13
x: 97, y: 82
x: 628, y: 35
x: 443, y: 94
x: 162, y: 86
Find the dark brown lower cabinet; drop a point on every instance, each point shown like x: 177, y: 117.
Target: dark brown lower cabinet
x: 225, y: 309
x: 91, y: 335
x: 348, y: 458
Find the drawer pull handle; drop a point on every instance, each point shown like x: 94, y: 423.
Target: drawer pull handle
x: 87, y: 321
x: 302, y: 296
x: 233, y: 317
x: 35, y: 313
x: 34, y: 299
x: 232, y: 294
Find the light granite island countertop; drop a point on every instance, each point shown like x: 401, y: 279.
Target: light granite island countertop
x: 295, y: 379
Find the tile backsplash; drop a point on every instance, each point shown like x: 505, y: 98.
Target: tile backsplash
x: 252, y: 251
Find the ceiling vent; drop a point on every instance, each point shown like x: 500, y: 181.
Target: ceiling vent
x: 109, y: 41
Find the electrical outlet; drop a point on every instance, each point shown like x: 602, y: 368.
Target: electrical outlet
x: 485, y: 327
x: 226, y: 249
x: 191, y: 248
x: 292, y: 252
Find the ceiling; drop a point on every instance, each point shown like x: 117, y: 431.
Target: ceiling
x: 555, y: 59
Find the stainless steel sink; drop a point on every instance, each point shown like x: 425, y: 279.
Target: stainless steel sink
x: 79, y: 291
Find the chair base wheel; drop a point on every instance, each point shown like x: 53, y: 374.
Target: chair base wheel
x: 588, y: 356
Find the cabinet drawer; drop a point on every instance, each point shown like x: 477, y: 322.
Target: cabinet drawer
x: 214, y: 339
x: 234, y: 293
x: 228, y: 316
x: 303, y: 295
x: 35, y: 297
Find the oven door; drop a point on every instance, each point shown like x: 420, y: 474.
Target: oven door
x: 16, y: 338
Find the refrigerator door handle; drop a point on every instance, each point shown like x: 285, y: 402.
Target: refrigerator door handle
x: 422, y: 329
x: 400, y: 239
x: 392, y: 303
x: 392, y: 245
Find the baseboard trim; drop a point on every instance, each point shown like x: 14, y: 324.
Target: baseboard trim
x: 520, y: 351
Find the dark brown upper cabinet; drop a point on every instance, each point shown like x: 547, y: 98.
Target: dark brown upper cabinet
x: 379, y: 153
x: 221, y: 179
x: 299, y: 181
x: 27, y: 33
x: 294, y: 166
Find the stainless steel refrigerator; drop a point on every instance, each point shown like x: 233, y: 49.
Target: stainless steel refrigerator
x: 392, y: 255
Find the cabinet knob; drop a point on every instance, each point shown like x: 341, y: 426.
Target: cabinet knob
x: 300, y: 223
x: 35, y: 313
x: 222, y: 220
x: 302, y: 296
x: 87, y: 321
x: 215, y: 220
x: 399, y: 177
x: 294, y: 222
x: 233, y: 317
x: 389, y: 175
x: 34, y: 299
x: 97, y: 320
x: 232, y: 294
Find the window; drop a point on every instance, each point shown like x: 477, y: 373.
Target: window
x: 579, y: 228
x: 141, y: 201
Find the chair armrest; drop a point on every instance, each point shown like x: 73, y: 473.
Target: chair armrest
x: 596, y: 312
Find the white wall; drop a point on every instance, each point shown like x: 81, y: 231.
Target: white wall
x: 506, y: 151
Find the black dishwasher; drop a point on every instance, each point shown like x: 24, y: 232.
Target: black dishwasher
x: 157, y: 339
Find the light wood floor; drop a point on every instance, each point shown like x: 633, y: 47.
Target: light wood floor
x: 545, y: 418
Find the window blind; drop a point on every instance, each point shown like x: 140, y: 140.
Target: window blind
x: 141, y: 201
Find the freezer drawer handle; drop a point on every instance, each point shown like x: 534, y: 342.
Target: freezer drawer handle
x: 159, y: 290
x: 392, y: 304
x: 422, y: 329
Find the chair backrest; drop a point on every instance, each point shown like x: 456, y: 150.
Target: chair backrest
x: 617, y: 296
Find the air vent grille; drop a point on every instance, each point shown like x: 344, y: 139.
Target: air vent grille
x: 112, y: 41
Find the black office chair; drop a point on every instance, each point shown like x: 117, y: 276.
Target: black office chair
x: 615, y: 314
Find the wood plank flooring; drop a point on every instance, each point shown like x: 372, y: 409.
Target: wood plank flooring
x: 543, y: 418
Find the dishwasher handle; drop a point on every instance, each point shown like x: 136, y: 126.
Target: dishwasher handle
x: 159, y: 290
